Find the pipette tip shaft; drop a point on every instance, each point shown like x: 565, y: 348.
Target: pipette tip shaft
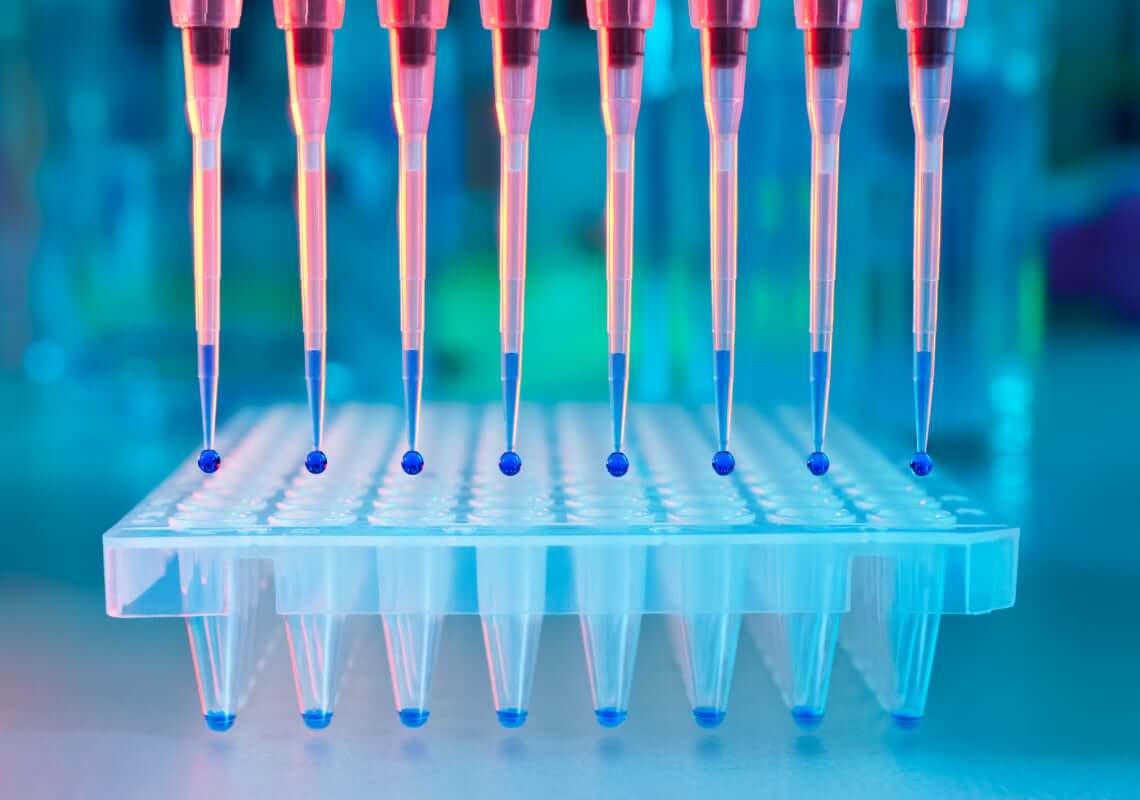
x: 722, y: 384
x: 208, y: 395
x: 619, y: 382
x: 512, y: 373
x: 820, y: 377
x: 413, y: 386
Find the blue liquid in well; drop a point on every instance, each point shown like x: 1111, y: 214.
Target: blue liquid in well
x: 412, y: 462
x: 316, y: 719
x: 316, y: 462
x: 722, y: 385
x: 511, y: 717
x: 219, y: 721
x: 619, y: 366
x: 708, y: 717
x: 820, y: 380
x: 412, y: 395
x: 923, y: 396
x: 906, y: 722
x: 315, y: 383
x: 511, y: 368
x: 414, y: 717
x: 818, y: 463
x: 209, y: 461
x: 610, y: 717
x: 808, y: 719
x: 723, y: 463
x: 617, y: 464
x: 510, y: 463
x: 921, y: 464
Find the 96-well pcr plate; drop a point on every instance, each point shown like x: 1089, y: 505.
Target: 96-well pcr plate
x: 866, y: 556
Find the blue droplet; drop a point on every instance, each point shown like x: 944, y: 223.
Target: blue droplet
x: 510, y: 464
x: 219, y: 721
x: 617, y: 464
x: 316, y: 462
x: 905, y: 722
x: 723, y: 463
x: 414, y: 717
x: 209, y: 461
x: 808, y: 719
x: 818, y: 463
x: 511, y: 717
x: 922, y: 464
x: 708, y: 717
x: 316, y: 719
x: 412, y: 462
x: 610, y: 717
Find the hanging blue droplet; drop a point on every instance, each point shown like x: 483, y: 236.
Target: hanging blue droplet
x: 723, y: 462
x: 412, y: 462
x: 209, y: 461
x: 617, y: 464
x: 922, y: 464
x: 818, y: 463
x: 316, y: 462
x: 510, y: 463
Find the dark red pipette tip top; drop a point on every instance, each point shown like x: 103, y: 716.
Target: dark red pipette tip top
x: 727, y: 46
x: 312, y: 47
x: 827, y: 47
x: 624, y: 46
x: 209, y: 44
x: 931, y: 47
x: 519, y: 46
x: 416, y: 45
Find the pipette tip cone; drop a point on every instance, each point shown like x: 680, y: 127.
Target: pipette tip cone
x: 316, y: 462
x: 512, y: 369
x: 208, y: 392
x: 722, y: 384
x: 209, y: 461
x: 619, y: 377
x: 315, y: 384
x: 316, y: 719
x: 723, y: 462
x: 617, y: 464
x: 820, y: 379
x: 413, y: 387
x: 921, y: 464
x: 818, y: 463
x: 923, y: 397
x: 509, y: 463
x: 219, y: 721
x: 412, y: 462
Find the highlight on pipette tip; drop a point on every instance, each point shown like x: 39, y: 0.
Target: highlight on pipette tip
x: 316, y: 462
x: 723, y: 462
x: 617, y: 464
x: 316, y: 719
x: 510, y: 464
x: 921, y: 464
x: 209, y: 461
x: 818, y: 463
x: 412, y: 462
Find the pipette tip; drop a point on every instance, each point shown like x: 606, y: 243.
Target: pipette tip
x: 316, y: 462
x: 820, y: 379
x: 818, y: 463
x: 619, y: 376
x: 921, y: 464
x: 209, y: 461
x: 708, y: 717
x: 219, y: 721
x: 511, y: 373
x: 806, y: 719
x: 414, y: 717
x: 722, y: 382
x: 316, y: 719
x: 511, y: 717
x: 510, y: 464
x: 412, y: 462
x: 617, y: 464
x: 610, y: 717
x: 315, y: 383
x: 723, y: 463
x: 413, y: 385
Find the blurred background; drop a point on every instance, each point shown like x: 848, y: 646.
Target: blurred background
x: 1040, y: 307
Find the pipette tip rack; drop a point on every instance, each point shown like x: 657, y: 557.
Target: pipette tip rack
x: 867, y: 557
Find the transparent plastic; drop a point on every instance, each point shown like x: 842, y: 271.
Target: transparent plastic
x: 724, y: 13
x: 931, y: 13
x: 413, y: 13
x: 828, y: 13
x: 867, y: 557
x: 205, y: 13
x: 309, y: 13
x: 620, y: 13
x: 532, y: 14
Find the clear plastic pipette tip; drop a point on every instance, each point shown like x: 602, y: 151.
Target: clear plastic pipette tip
x: 723, y: 461
x: 921, y: 463
x: 316, y: 461
x: 820, y: 377
x: 510, y: 463
x: 412, y: 462
x: 618, y: 464
x: 209, y: 461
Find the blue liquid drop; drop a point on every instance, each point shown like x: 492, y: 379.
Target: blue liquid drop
x: 316, y: 719
x: 818, y: 463
x: 511, y: 717
x: 610, y: 717
x: 209, y: 461
x: 412, y: 462
x: 905, y: 722
x: 708, y: 717
x: 922, y: 464
x: 808, y: 719
x: 414, y: 717
x: 219, y: 721
x: 316, y: 462
x: 510, y: 464
x: 617, y: 464
x: 723, y: 463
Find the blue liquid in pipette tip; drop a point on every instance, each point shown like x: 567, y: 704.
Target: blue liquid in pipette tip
x: 412, y: 462
x: 617, y: 464
x: 619, y: 370
x: 511, y: 365
x: 511, y: 717
x: 610, y: 717
x: 315, y: 383
x: 209, y: 461
x: 820, y: 379
x: 414, y: 717
x: 510, y: 463
x: 316, y: 719
x: 807, y: 719
x: 412, y: 378
x: 316, y: 462
x: 723, y: 463
x: 905, y: 722
x: 722, y: 385
x: 922, y: 464
x: 923, y: 396
x: 818, y: 463
x: 219, y: 721
x: 708, y: 717
x: 208, y: 391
